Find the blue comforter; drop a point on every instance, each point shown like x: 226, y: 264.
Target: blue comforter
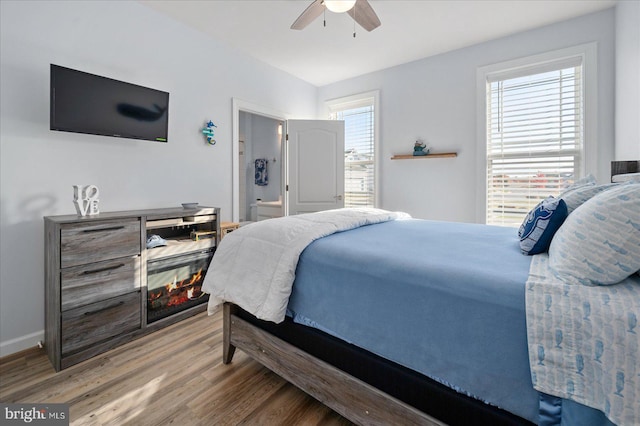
x: 444, y: 299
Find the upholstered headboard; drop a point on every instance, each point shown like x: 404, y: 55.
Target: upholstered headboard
x: 624, y: 167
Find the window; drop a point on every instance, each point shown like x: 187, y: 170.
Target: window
x: 359, y: 115
x: 535, y: 135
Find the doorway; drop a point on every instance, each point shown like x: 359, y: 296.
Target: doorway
x: 315, y: 170
x: 259, y: 166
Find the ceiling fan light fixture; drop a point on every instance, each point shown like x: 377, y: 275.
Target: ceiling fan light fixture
x: 339, y: 6
x: 360, y: 10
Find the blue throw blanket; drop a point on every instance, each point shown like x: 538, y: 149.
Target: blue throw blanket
x: 584, y: 341
x: 443, y: 299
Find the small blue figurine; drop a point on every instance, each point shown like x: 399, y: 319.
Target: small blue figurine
x: 208, y: 132
x: 419, y: 148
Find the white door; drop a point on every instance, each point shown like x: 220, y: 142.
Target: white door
x: 315, y: 165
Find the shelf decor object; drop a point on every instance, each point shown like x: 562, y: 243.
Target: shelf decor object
x: 420, y: 149
x: 85, y: 199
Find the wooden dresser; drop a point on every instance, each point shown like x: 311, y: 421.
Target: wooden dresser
x: 96, y: 275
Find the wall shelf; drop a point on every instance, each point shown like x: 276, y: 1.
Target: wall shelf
x: 439, y: 155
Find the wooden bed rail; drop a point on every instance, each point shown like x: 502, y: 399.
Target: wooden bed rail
x: 228, y: 309
x: 352, y: 398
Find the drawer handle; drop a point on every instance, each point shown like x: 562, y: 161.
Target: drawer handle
x: 113, y: 228
x: 108, y: 268
x: 105, y: 308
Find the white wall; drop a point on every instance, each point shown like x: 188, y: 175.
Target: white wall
x: 627, y: 80
x: 126, y: 41
x: 435, y: 99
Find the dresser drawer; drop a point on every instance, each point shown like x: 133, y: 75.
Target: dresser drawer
x: 96, y: 241
x: 85, y: 284
x: 90, y: 324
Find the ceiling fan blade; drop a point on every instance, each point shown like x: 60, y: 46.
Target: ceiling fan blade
x: 314, y: 10
x: 364, y: 15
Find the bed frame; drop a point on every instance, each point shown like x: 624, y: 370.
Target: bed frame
x: 348, y: 379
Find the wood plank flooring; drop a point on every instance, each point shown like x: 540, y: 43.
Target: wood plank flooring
x: 172, y: 376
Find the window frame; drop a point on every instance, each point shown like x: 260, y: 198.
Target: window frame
x: 354, y: 101
x: 531, y: 64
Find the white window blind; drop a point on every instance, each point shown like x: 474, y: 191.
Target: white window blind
x: 359, y: 156
x: 534, y: 137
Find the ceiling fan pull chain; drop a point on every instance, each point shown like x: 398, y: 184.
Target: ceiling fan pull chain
x: 354, y: 22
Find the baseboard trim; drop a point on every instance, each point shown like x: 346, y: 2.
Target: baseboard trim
x: 21, y: 343
x: 26, y: 353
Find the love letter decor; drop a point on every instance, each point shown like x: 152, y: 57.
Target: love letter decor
x: 85, y: 198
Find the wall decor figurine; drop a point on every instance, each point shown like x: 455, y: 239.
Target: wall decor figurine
x: 85, y: 198
x: 420, y: 148
x: 208, y: 132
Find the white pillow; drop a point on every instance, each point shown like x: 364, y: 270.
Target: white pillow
x: 634, y: 177
x: 599, y: 243
x: 576, y: 196
x: 585, y: 181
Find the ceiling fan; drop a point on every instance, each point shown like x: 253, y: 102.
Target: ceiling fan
x: 360, y: 10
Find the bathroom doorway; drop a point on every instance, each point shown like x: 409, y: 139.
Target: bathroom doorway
x: 260, y: 167
x: 316, y: 170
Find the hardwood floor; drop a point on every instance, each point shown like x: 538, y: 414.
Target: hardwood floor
x: 173, y: 376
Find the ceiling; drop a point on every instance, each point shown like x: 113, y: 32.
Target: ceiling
x: 410, y: 30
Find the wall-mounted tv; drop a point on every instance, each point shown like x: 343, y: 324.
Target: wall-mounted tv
x: 88, y: 103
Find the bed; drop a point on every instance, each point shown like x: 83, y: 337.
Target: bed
x: 404, y: 321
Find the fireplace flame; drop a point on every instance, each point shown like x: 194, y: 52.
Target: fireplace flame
x: 175, y: 285
x: 175, y: 294
x: 196, y: 277
x: 179, y: 292
x: 172, y: 286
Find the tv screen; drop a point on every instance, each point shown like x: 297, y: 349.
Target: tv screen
x: 88, y: 103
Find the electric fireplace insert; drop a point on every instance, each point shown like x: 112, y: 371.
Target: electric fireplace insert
x: 174, y: 284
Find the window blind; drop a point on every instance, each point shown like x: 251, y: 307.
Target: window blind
x: 534, y: 138
x: 359, y: 153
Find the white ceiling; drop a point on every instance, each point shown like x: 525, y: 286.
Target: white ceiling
x: 410, y: 30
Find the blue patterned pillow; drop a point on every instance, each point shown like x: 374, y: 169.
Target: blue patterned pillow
x: 599, y: 243
x: 541, y: 224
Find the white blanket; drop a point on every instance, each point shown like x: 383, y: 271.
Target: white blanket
x: 254, y: 266
x: 584, y: 342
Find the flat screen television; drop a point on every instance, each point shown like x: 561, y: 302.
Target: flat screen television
x: 88, y: 103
